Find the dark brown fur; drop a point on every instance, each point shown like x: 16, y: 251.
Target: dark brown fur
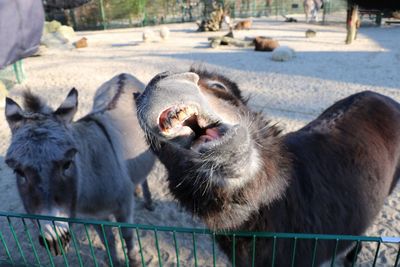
x: 330, y: 177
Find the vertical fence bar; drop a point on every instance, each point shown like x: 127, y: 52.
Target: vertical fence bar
x: 214, y: 253
x: 103, y: 15
x: 376, y: 253
x: 106, y: 244
x: 253, y: 256
x: 140, y: 246
x: 314, y: 252
x: 294, y: 251
x: 158, y: 248
x: 45, y: 243
x: 90, y: 246
x: 194, y: 248
x: 273, y: 251
x: 19, y: 71
x: 76, y: 246
x: 123, y: 246
x: 30, y: 241
x: 355, y: 254
x: 60, y: 244
x: 176, y: 248
x: 397, y: 257
x: 6, y: 248
x: 16, y: 240
x: 334, y: 253
x: 234, y: 250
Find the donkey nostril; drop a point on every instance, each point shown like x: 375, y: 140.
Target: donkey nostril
x: 41, y: 241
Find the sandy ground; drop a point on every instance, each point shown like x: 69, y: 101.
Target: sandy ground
x: 290, y: 93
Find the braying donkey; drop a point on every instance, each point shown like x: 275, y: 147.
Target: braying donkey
x: 234, y: 169
x: 66, y: 168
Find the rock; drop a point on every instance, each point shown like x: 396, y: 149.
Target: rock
x: 52, y: 26
x: 243, y: 25
x: 164, y: 33
x: 283, y: 53
x: 148, y: 35
x: 66, y: 32
x: 396, y: 14
x: 54, y: 40
x: 56, y: 35
x: 3, y: 94
x: 310, y: 33
x: 81, y: 43
x: 265, y: 44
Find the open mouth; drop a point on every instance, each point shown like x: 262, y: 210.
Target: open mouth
x: 185, y: 121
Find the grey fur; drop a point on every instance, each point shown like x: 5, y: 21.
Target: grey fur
x: 67, y: 168
x: 140, y: 159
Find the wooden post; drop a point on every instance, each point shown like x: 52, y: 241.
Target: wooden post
x: 352, y: 22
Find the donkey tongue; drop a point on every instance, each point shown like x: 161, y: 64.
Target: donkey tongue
x: 213, y: 133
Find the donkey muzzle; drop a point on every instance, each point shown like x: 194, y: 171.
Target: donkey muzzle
x: 55, y: 237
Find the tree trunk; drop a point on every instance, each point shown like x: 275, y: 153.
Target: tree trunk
x: 352, y: 23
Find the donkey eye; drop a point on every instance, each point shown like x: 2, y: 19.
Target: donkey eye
x: 67, y: 165
x: 218, y: 86
x: 20, y: 176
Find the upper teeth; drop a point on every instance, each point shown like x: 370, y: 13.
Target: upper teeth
x: 177, y: 116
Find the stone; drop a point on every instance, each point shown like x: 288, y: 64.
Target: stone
x: 52, y: 26
x: 310, y: 33
x: 283, y: 53
x: 81, y: 43
x: 148, y: 35
x: 243, y: 25
x: 265, y: 44
x: 164, y: 33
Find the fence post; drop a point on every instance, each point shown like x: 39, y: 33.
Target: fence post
x: 103, y: 15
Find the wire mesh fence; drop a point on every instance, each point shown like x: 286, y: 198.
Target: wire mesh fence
x: 20, y: 244
x: 104, y: 14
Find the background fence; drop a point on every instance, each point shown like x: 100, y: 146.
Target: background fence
x: 103, y: 14
x: 20, y: 246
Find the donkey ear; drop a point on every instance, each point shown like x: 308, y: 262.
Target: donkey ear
x: 14, y: 114
x: 68, y: 108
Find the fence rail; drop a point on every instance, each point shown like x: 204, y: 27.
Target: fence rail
x: 20, y: 247
x: 104, y: 14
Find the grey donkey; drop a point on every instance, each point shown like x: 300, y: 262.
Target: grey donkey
x: 116, y: 99
x: 70, y: 169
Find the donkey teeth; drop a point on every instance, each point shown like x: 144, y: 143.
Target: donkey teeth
x: 182, y: 115
x: 176, y: 117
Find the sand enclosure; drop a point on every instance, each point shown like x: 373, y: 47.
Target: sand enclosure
x: 290, y: 93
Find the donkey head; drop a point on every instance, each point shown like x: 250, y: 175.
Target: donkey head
x: 42, y: 155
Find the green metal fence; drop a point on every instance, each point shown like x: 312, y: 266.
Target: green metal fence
x: 20, y: 246
x: 104, y: 14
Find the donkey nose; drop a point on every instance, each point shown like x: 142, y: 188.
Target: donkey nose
x: 55, y: 245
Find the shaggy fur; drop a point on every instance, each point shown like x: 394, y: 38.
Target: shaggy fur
x: 66, y: 168
x: 330, y: 177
